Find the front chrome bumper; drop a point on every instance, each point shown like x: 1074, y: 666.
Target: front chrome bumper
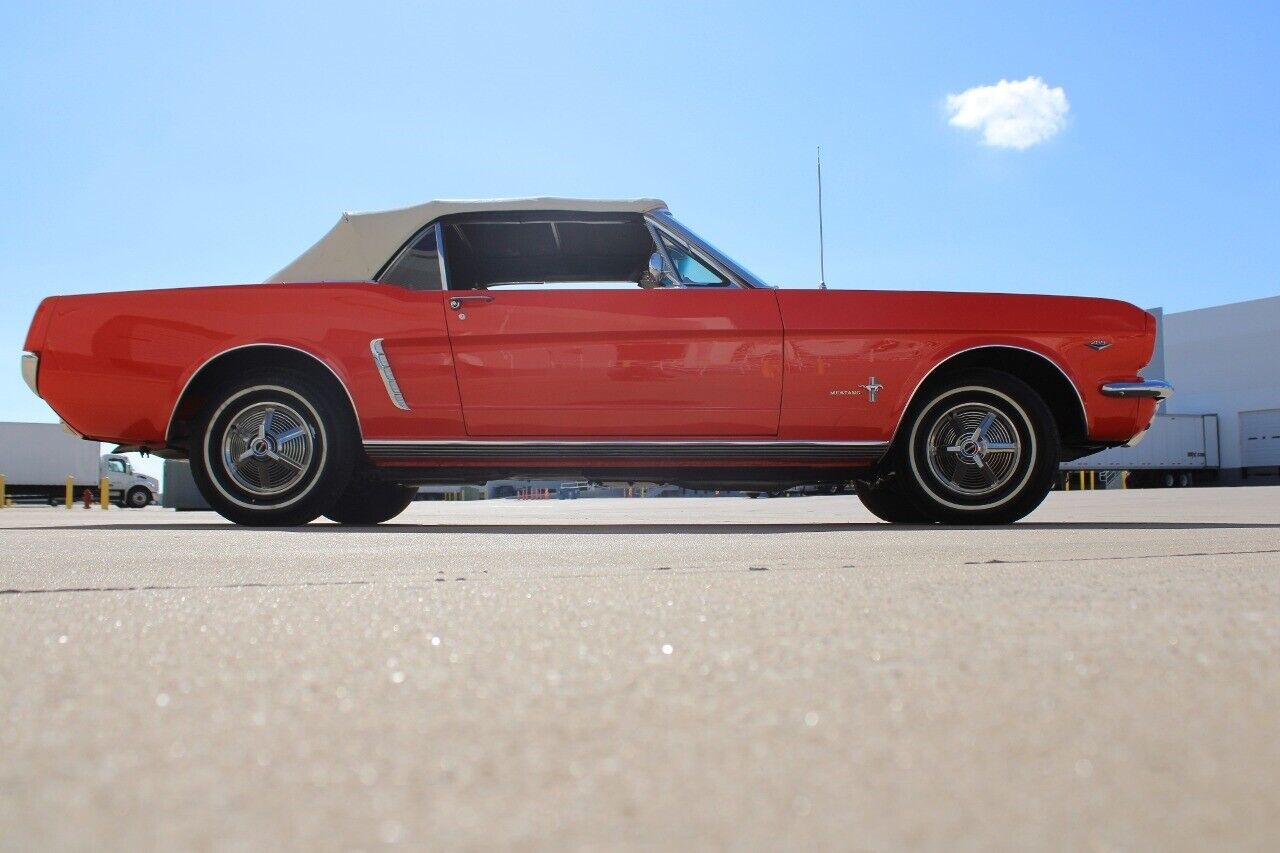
x: 30, y: 367
x: 1149, y: 389
x: 1155, y: 389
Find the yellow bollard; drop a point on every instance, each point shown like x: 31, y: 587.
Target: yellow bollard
x: 71, y: 490
x: 1124, y: 479
x: 1093, y: 480
x: 4, y: 501
x: 104, y: 492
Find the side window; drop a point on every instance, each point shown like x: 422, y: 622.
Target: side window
x: 418, y: 267
x: 542, y: 250
x: 691, y: 270
x: 115, y: 466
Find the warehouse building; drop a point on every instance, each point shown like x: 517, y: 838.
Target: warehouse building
x: 1225, y: 360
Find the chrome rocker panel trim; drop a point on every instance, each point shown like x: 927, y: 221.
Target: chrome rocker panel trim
x: 790, y: 451
x: 1156, y: 389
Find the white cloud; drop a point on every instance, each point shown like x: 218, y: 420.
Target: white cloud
x: 1012, y: 113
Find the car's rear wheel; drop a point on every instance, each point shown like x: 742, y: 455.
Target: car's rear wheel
x: 887, y: 503
x: 980, y: 447
x: 368, y: 500
x: 273, y: 448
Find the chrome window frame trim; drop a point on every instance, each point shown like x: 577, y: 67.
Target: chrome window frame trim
x: 389, y: 382
x: 444, y: 267
x: 408, y: 244
x: 735, y: 274
x: 657, y: 220
x: 657, y: 244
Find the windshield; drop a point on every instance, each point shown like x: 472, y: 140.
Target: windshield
x: 680, y: 230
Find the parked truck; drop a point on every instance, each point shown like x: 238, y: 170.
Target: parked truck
x: 1178, y: 450
x: 37, y: 459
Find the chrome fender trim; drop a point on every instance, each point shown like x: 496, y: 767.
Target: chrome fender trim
x: 1084, y: 413
x: 168, y: 430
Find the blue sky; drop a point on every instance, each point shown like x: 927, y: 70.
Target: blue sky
x: 165, y: 144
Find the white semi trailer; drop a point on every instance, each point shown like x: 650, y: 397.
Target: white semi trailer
x: 1178, y: 450
x: 37, y: 459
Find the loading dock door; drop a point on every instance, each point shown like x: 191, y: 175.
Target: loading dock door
x: 1260, y: 438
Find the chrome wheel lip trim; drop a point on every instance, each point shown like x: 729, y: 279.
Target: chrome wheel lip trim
x: 967, y: 448
x: 1032, y: 452
x: 322, y: 437
x: 173, y: 412
x: 267, y: 445
x: 938, y: 364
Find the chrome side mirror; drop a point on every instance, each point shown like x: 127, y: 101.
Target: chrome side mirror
x: 659, y: 272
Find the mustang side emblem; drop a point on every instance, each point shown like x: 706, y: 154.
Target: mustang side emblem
x: 873, y: 387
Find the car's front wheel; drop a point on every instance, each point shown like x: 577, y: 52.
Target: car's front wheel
x: 273, y: 448
x: 981, y: 447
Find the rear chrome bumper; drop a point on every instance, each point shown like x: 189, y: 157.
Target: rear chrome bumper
x: 30, y: 367
x: 1156, y: 389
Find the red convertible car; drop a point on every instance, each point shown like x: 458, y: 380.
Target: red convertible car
x: 603, y: 340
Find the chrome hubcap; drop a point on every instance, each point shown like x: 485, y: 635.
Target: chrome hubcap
x: 267, y: 448
x: 974, y: 449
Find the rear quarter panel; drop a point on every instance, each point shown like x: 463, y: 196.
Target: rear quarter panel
x: 837, y: 340
x: 114, y: 364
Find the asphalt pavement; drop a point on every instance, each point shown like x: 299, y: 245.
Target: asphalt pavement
x: 663, y: 673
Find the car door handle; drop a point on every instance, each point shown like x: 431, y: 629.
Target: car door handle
x: 457, y: 302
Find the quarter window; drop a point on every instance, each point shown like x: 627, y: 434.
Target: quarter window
x: 418, y: 267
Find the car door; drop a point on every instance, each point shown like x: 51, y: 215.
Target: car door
x: 657, y: 362
x: 552, y: 336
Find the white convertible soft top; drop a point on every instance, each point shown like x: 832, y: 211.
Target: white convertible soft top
x: 357, y: 247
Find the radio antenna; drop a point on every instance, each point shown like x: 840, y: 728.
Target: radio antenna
x: 822, y: 260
